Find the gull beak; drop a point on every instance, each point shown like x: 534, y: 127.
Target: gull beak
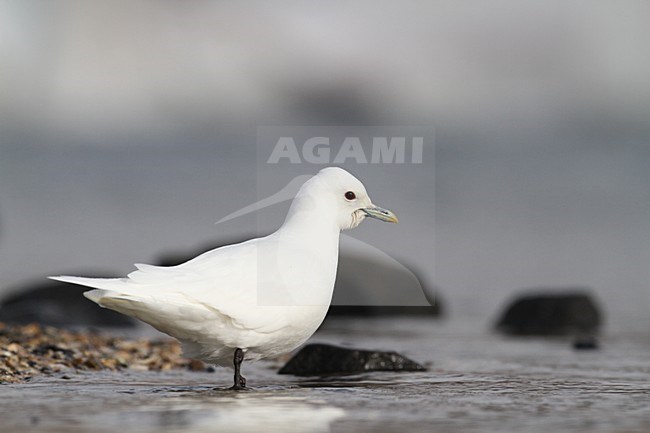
x: 380, y: 214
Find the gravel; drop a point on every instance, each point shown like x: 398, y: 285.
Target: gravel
x: 30, y: 350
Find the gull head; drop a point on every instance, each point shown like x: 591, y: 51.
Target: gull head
x: 335, y: 193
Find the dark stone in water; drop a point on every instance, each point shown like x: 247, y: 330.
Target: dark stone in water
x: 325, y: 359
x: 58, y: 304
x: 585, y: 343
x: 570, y: 312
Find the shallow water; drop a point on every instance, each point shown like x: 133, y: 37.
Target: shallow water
x: 477, y: 382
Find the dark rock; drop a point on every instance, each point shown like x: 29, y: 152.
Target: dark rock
x: 58, y: 304
x: 175, y: 258
x: 585, y: 343
x: 384, y: 310
x: 570, y: 312
x: 368, y: 283
x: 325, y: 359
x: 45, y: 348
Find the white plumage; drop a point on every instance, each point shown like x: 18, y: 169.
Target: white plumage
x: 265, y: 296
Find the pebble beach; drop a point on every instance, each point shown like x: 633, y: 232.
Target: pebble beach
x: 31, y: 350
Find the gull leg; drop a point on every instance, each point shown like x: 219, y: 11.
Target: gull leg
x: 240, y: 381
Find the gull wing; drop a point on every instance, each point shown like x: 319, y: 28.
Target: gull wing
x: 217, y: 289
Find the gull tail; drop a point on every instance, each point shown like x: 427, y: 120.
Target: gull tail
x: 126, y: 297
x: 105, y: 288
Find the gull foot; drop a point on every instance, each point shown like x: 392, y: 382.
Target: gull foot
x: 240, y: 386
x: 240, y: 381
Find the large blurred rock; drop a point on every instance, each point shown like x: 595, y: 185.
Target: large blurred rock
x: 325, y: 359
x: 58, y: 304
x: 369, y: 282
x: 569, y: 312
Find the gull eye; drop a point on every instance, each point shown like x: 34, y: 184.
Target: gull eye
x: 350, y: 195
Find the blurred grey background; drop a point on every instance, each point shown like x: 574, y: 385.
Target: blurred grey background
x: 128, y: 128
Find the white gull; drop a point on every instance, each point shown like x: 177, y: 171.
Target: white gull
x: 252, y: 300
